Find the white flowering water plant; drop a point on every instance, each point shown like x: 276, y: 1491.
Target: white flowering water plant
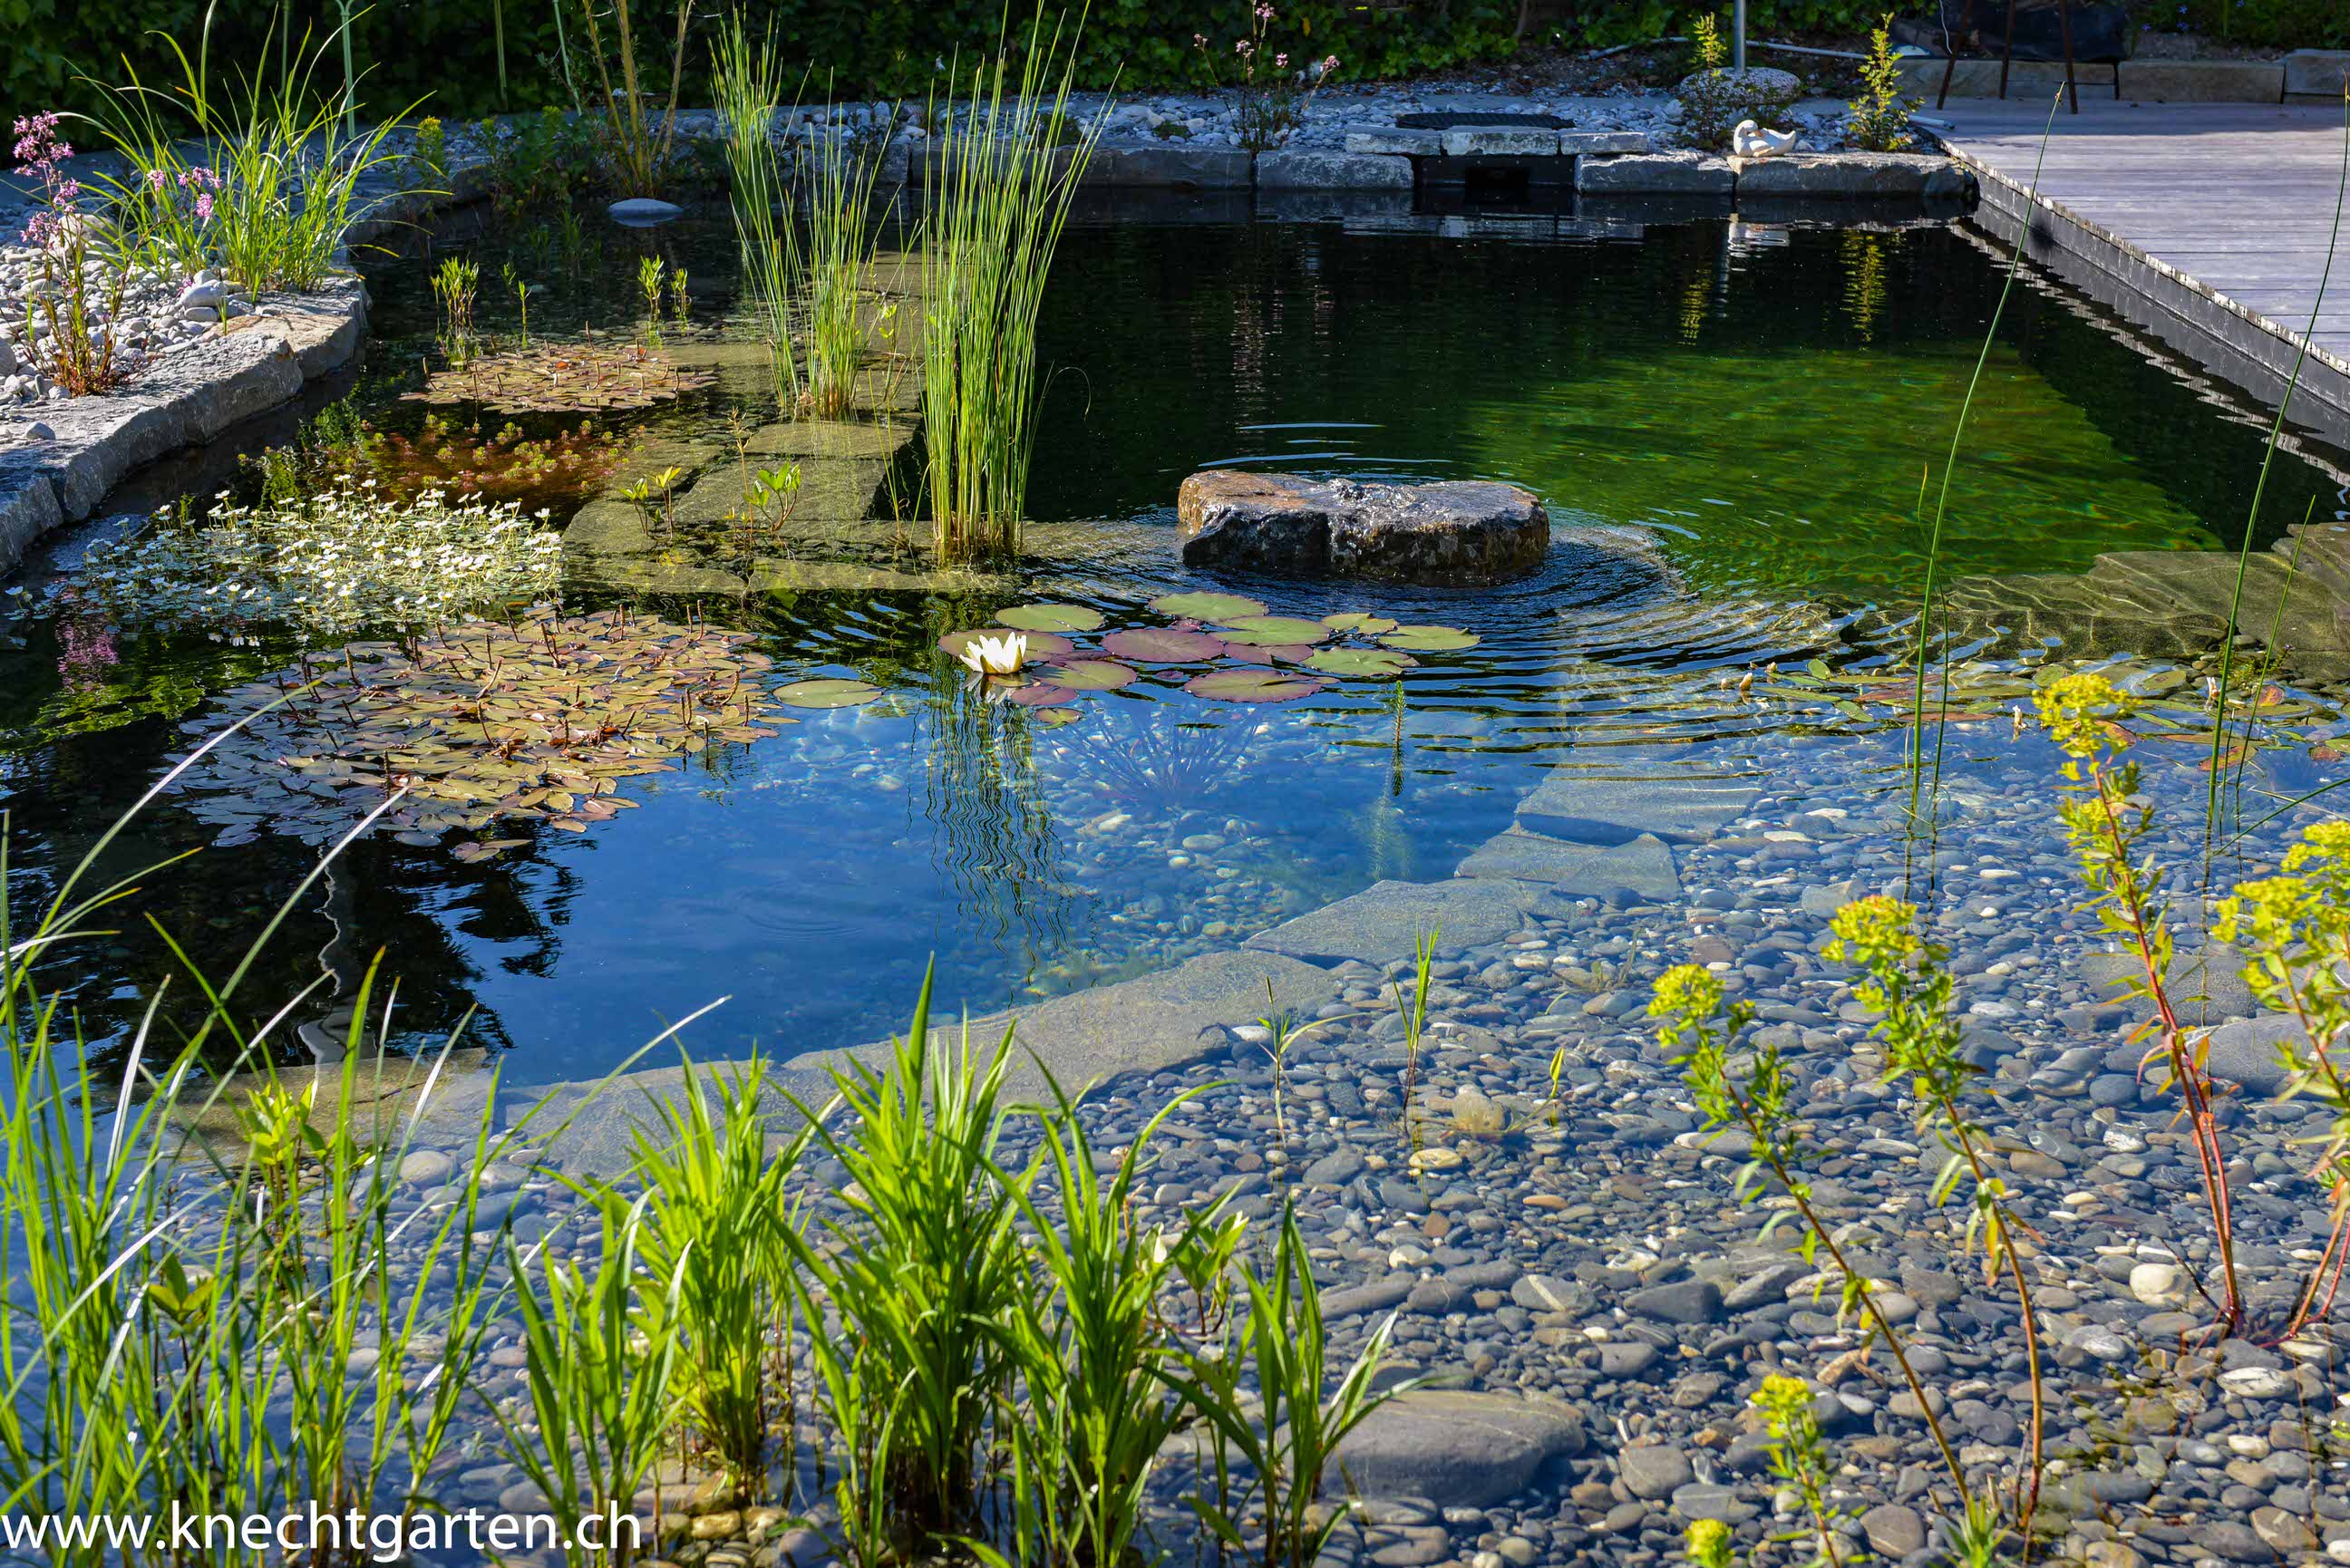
x: 332, y: 562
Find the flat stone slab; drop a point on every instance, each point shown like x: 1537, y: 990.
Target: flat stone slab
x: 1396, y: 141
x: 2316, y: 73
x: 1310, y: 169
x: 1456, y: 1448
x: 1176, y: 167
x: 1386, y: 920
x: 2203, y: 82
x: 1643, y: 866
x: 1852, y: 175
x: 1500, y: 141
x: 1616, y: 803
x: 1452, y: 533
x: 1603, y: 143
x: 1680, y: 173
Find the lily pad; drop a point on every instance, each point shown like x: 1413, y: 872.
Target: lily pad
x: 1252, y: 685
x: 1089, y: 674
x: 536, y: 721
x: 1054, y: 718
x: 1284, y: 652
x: 830, y: 691
x: 1049, y: 617
x: 1041, y: 644
x: 1357, y: 620
x: 1163, y: 645
x: 1271, y: 630
x: 1429, y: 638
x: 1206, y: 606
x: 1378, y: 663
x: 565, y: 378
x: 1039, y: 694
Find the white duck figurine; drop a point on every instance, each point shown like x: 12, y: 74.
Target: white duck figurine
x: 1749, y: 139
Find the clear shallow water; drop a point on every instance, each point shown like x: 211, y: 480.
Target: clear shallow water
x: 1761, y: 412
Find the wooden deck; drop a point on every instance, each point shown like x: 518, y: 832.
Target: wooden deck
x: 2208, y: 224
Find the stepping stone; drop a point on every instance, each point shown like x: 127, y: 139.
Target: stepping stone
x: 1644, y: 866
x: 643, y: 211
x: 1620, y: 802
x: 1381, y: 923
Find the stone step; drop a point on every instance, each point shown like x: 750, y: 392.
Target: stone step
x: 1616, y: 799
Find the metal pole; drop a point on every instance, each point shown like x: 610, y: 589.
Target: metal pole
x: 1738, y: 35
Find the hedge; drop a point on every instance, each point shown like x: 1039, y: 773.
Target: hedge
x: 446, y: 51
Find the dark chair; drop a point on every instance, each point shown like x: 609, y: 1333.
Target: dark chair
x: 2074, y: 33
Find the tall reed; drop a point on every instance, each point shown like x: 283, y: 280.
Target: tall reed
x: 999, y: 194
x: 746, y: 84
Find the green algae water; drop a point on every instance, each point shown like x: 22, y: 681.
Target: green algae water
x: 1751, y: 412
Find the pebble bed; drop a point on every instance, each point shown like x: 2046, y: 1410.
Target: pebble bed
x: 1581, y: 1257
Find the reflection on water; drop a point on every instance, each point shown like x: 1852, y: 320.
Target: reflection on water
x: 1730, y: 425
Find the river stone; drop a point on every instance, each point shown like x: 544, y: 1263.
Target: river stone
x: 1654, y: 1470
x: 2245, y: 1053
x: 1894, y: 1530
x: 1682, y: 1301
x: 1455, y: 1448
x: 1455, y: 532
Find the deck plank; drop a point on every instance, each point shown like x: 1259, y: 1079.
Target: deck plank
x: 2237, y: 198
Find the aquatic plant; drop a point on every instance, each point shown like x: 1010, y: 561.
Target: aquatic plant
x: 1287, y: 1436
x: 2107, y: 822
x: 650, y: 271
x: 840, y: 308
x: 1908, y: 985
x: 504, y: 464
x: 998, y: 198
x: 479, y: 724
x: 72, y: 246
x: 1800, y: 1458
x: 348, y: 558
x: 454, y: 285
x: 1697, y: 1025
x: 1090, y: 1344
x: 564, y: 378
x: 601, y: 1358
x: 925, y: 1267
x: 746, y: 85
x: 1245, y: 639
x: 714, y: 1227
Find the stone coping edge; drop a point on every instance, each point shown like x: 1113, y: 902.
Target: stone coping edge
x: 192, y: 396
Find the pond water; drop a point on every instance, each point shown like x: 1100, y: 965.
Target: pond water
x: 1761, y: 404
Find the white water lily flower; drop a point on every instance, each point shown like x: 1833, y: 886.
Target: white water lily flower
x: 997, y: 655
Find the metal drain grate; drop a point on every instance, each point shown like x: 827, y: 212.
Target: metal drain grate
x: 1482, y: 119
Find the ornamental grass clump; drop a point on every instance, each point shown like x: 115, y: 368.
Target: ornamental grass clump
x: 999, y: 196
x: 332, y: 562
x: 260, y: 181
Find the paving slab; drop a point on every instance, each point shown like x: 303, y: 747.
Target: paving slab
x: 1682, y: 173
x: 1618, y: 800
x: 1384, y: 921
x: 1643, y: 866
x: 1310, y: 168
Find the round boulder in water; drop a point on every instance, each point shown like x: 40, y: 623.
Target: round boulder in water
x: 643, y: 211
x: 1457, y: 532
